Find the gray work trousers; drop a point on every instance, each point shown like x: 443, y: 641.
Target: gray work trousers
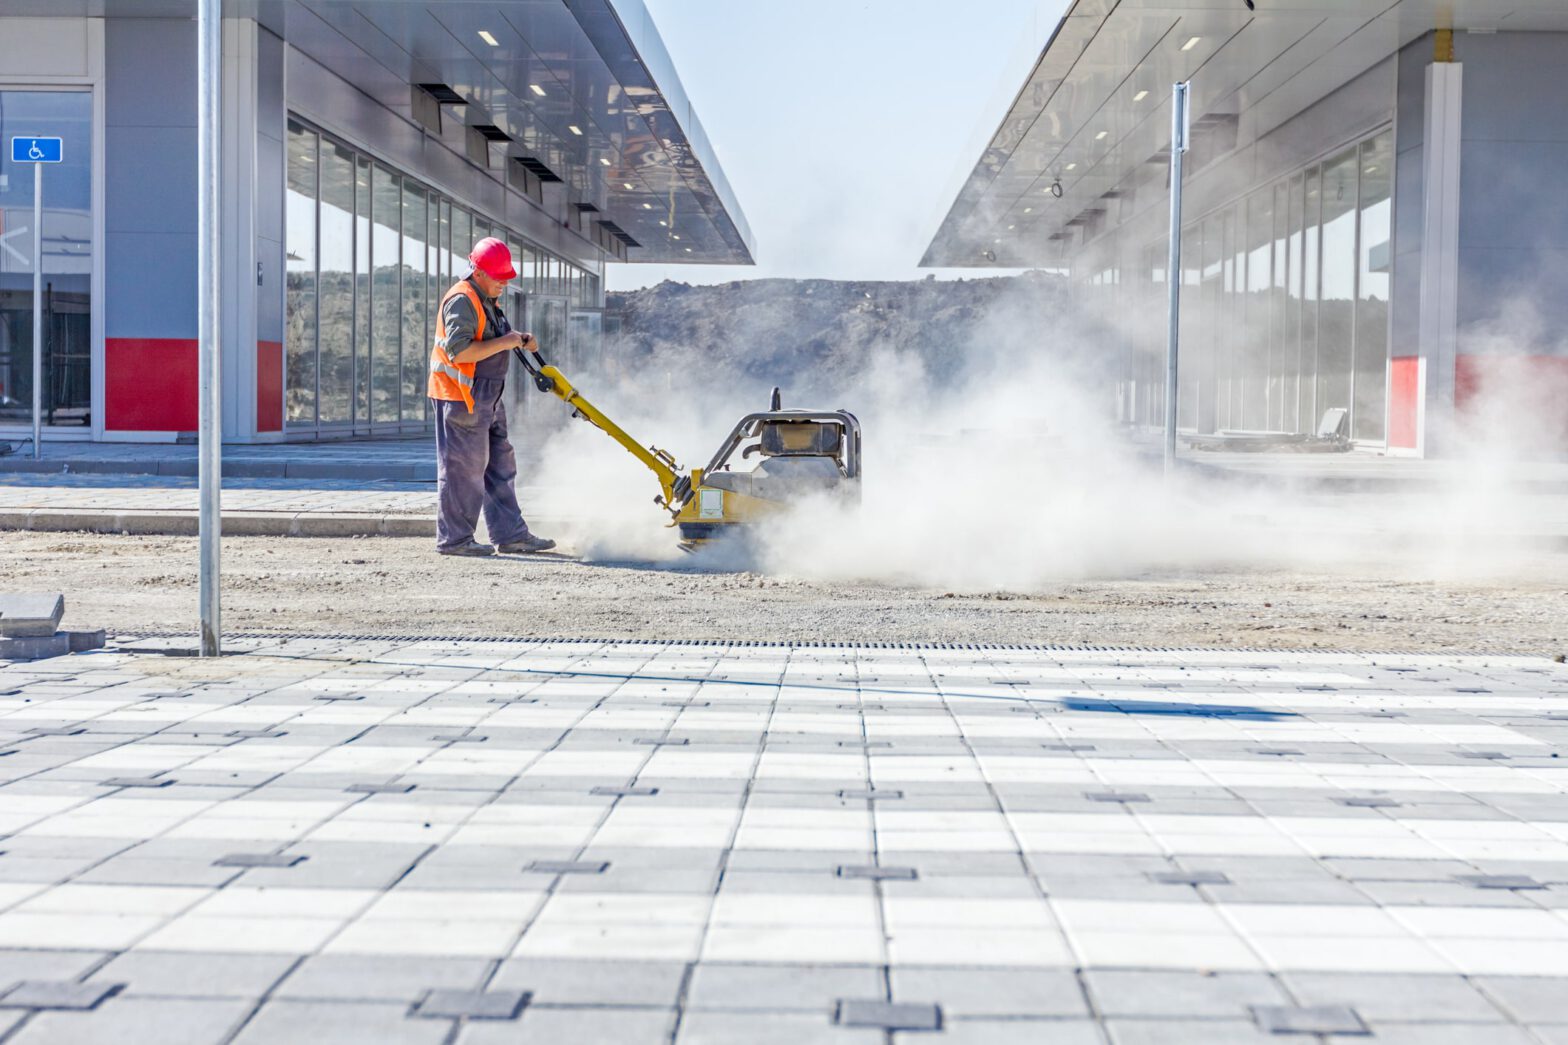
x: 476, y: 469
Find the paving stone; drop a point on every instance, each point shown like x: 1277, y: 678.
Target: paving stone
x: 336, y: 697
x: 876, y: 873
x: 260, y: 860
x: 1068, y: 747
x: 341, y: 1023
x: 445, y: 1003
x: 58, y: 994
x: 1278, y: 752
x: 257, y: 734
x: 30, y: 615
x: 899, y: 1015
x: 1368, y: 803
x: 539, y: 1026
x: 137, y: 781
x: 665, y: 742
x: 380, y: 789
x: 1172, y: 994
x: 568, y: 866
x: 57, y: 731
x: 1501, y: 881
x: 776, y: 987
x: 178, y: 973
x: 1381, y: 997
x: 126, y: 1020
x: 873, y: 793
x: 994, y: 991
x: 459, y: 738
x: 1312, y: 1019
x: 1489, y: 755
x: 584, y: 982
x: 629, y: 791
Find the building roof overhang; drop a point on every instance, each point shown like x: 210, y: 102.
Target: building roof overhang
x: 581, y: 89
x: 1094, y: 115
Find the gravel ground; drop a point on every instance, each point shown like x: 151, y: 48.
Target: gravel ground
x: 396, y: 586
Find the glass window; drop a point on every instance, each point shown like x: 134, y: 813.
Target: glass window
x: 416, y: 345
x: 362, y: 292
x: 300, y: 276
x: 1256, y: 323
x: 386, y: 296
x: 336, y: 285
x: 462, y: 242
x: 66, y: 396
x: 1336, y: 307
x: 1376, y: 260
x: 1306, y: 392
x: 1290, y: 357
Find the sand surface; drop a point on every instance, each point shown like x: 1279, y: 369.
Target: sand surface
x: 399, y: 587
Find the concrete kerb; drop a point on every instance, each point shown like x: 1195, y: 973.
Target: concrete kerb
x: 238, y: 468
x: 235, y: 523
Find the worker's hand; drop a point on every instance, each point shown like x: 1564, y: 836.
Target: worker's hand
x: 527, y: 342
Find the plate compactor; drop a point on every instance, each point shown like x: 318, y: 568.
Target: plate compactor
x: 802, y: 452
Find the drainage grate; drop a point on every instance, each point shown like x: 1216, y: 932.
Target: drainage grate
x: 568, y: 866
x: 877, y: 874
x: 1313, y: 1019
x: 259, y: 860
x: 445, y: 1004
x: 887, y: 1015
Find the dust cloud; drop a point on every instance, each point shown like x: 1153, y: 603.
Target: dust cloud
x: 997, y: 464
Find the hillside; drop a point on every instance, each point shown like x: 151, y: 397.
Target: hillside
x: 764, y: 330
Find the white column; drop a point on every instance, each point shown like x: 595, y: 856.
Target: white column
x: 1439, y: 326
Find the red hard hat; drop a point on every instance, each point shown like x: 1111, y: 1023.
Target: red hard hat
x: 491, y: 257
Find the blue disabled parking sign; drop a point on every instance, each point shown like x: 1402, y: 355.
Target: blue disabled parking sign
x: 37, y: 150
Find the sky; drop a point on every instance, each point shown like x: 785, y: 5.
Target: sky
x: 845, y: 127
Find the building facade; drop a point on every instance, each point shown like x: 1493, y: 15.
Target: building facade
x: 366, y: 145
x: 1365, y: 221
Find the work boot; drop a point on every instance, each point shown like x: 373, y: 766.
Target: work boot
x: 472, y: 547
x: 527, y: 543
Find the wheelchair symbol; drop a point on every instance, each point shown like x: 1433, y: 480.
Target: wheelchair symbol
x: 34, y: 152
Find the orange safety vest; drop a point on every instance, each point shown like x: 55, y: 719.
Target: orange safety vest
x: 448, y: 380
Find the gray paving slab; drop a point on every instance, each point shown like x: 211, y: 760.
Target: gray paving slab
x: 538, y: 1026
x: 168, y: 1021
x: 778, y: 987
x: 374, y: 977
x: 283, y: 1022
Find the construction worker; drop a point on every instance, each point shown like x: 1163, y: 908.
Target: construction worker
x: 475, y: 467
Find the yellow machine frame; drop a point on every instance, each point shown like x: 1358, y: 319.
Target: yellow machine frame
x: 701, y: 512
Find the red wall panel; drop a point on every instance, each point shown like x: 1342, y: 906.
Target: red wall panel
x: 269, y: 386
x: 150, y: 384
x: 1515, y: 397
x: 1404, y: 401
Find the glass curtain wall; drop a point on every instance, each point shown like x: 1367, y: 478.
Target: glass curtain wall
x: 66, y: 396
x: 1285, y: 304
x: 370, y: 252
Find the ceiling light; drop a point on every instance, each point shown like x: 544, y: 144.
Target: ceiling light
x: 1101, y: 136
x: 604, y: 161
x: 675, y: 235
x: 1011, y: 227
x: 1372, y: 169
x: 663, y: 223
x: 536, y: 89
x: 1140, y: 96
x: 487, y: 38
x: 647, y: 206
x: 1190, y: 44
x: 574, y: 129
x: 1071, y: 166
x: 1028, y: 210
x: 626, y: 185
x: 688, y: 250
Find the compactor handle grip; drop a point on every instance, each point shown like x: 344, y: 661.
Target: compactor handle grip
x: 534, y: 363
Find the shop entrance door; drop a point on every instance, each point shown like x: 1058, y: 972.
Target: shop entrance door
x: 67, y: 262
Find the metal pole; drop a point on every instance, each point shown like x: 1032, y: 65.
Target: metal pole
x: 38, y: 309
x: 209, y: 32
x: 1173, y: 271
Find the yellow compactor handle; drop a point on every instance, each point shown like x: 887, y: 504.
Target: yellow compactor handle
x: 676, y: 487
